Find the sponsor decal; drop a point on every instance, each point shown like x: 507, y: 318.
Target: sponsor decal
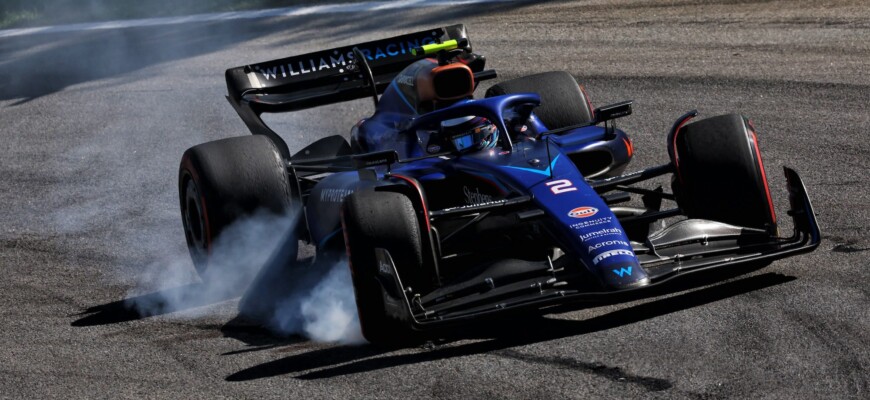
x: 489, y: 203
x: 591, y: 222
x: 385, y: 267
x: 377, y: 162
x: 583, y: 212
x: 562, y: 186
x: 611, y: 253
x: 473, y: 196
x: 433, y: 148
x: 623, y: 271
x: 405, y: 79
x: 304, y: 67
x: 334, y: 195
x: 598, y: 234
x: 608, y: 243
x: 338, y: 60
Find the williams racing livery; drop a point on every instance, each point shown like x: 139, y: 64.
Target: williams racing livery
x: 450, y: 207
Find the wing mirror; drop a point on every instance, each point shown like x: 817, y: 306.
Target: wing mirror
x: 613, y: 111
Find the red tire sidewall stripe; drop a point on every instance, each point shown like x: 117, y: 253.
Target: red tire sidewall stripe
x: 588, y: 102
x: 674, y: 145
x: 763, y: 176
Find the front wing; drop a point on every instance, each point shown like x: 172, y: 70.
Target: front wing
x: 536, y: 293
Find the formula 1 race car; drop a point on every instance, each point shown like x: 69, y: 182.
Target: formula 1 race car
x: 450, y: 208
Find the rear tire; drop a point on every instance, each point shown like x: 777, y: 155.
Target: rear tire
x: 720, y: 175
x: 384, y: 220
x: 222, y: 181
x: 563, y: 100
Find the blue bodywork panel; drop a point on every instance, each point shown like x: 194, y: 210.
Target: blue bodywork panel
x: 531, y: 165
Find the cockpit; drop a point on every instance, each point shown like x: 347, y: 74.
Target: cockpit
x: 424, y: 86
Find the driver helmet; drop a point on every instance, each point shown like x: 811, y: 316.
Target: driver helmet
x: 470, y: 133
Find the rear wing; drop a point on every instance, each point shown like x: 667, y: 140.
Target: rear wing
x: 328, y: 76
x: 323, y: 77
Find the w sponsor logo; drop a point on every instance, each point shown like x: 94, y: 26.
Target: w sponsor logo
x: 623, y: 271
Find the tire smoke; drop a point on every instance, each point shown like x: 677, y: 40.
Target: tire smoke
x: 256, y: 258
x: 324, y: 311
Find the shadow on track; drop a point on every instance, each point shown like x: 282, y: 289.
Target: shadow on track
x: 255, y: 336
x: 150, y: 304
x: 503, y: 335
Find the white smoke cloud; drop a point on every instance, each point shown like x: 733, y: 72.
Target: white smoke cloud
x: 327, y: 313
x: 251, y: 257
x: 237, y: 255
x: 112, y: 180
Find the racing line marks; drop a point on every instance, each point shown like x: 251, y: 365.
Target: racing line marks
x: 612, y: 373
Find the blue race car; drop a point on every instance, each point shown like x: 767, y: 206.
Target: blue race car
x: 450, y: 208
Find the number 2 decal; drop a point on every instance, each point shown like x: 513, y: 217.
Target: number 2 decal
x: 561, y: 186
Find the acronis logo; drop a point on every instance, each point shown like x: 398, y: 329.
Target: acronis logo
x: 623, y: 271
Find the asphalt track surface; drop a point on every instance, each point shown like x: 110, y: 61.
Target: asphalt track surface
x: 92, y: 125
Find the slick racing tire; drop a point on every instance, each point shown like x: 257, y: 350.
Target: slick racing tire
x: 388, y: 221
x: 720, y: 175
x: 563, y: 100
x: 222, y: 181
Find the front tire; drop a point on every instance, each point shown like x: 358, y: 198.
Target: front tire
x: 223, y: 181
x: 720, y: 175
x: 388, y: 221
